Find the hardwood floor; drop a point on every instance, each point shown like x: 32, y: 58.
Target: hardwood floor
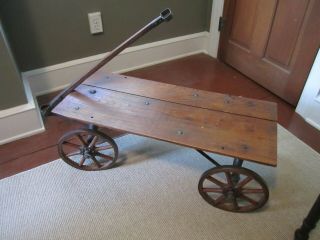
x: 198, y: 71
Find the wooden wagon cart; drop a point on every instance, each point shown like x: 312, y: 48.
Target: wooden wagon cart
x: 242, y: 128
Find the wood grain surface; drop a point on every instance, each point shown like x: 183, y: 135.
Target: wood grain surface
x: 183, y: 95
x: 178, y: 115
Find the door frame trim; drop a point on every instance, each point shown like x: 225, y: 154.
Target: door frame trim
x: 214, y: 34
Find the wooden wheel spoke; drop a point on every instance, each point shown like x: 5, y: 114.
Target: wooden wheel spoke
x: 229, y: 179
x: 82, y: 160
x: 213, y: 190
x: 250, y: 200
x: 96, y: 162
x: 220, y: 200
x: 103, y: 148
x: 216, y: 181
x: 104, y: 156
x: 94, y: 141
x: 235, y: 203
x: 252, y: 190
x: 82, y: 140
x: 244, y: 181
x: 73, y: 154
x: 70, y: 144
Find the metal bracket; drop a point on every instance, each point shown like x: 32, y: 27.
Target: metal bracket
x: 208, y: 157
x: 237, y: 162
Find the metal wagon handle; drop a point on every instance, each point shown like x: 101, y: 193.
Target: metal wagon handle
x: 165, y: 15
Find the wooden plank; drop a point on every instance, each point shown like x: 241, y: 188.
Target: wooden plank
x: 183, y: 95
x: 224, y: 133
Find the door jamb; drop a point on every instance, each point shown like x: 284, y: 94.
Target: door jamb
x: 214, y: 34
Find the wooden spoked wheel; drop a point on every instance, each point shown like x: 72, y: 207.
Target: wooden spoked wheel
x: 88, y: 149
x: 234, y: 189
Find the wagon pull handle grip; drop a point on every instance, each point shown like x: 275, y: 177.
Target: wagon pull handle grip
x: 165, y: 16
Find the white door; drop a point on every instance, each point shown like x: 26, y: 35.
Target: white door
x: 309, y: 103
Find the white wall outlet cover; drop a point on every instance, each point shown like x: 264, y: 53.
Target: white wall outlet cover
x: 95, y: 22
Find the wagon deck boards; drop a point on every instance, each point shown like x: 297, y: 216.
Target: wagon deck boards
x: 229, y: 125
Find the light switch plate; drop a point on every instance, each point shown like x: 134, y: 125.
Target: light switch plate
x: 95, y: 22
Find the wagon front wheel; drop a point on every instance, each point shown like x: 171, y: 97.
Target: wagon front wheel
x: 88, y: 149
x: 234, y: 189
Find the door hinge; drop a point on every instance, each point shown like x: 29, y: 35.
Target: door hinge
x: 221, y: 24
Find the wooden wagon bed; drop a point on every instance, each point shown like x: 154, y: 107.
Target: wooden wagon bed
x: 219, y: 123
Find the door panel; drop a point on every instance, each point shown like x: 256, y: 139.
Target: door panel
x: 243, y: 23
x: 273, y: 42
x: 285, y: 31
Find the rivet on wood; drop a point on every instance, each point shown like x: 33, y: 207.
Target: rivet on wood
x: 92, y: 91
x: 146, y: 103
x: 227, y: 99
x: 245, y: 147
x: 250, y: 104
x: 195, y: 95
x: 77, y: 108
x: 180, y: 132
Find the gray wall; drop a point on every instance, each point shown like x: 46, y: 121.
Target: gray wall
x: 47, y: 32
x: 11, y: 87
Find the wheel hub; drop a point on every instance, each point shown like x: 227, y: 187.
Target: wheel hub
x: 231, y: 192
x: 87, y: 151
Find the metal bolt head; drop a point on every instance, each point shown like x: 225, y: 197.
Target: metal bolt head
x: 92, y: 91
x: 195, y: 95
x: 179, y: 132
x: 77, y: 108
x: 146, y: 103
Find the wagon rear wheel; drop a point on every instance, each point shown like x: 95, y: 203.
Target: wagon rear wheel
x: 234, y: 189
x: 88, y: 149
